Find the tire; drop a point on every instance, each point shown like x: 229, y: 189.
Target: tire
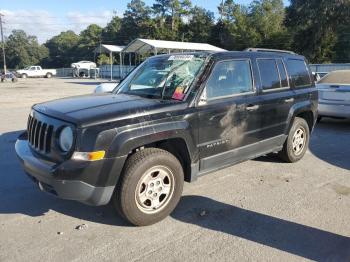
x: 48, y: 75
x: 24, y: 76
x: 149, y: 174
x: 298, y: 135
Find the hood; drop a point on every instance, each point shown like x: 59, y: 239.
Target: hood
x: 98, y: 108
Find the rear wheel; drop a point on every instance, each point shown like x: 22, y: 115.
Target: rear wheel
x: 297, y: 142
x: 150, y: 188
x: 48, y: 75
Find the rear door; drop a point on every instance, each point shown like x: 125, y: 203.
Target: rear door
x: 277, y: 97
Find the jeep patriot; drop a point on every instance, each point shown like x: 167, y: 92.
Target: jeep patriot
x: 174, y: 118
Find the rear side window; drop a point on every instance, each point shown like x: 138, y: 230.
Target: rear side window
x: 230, y: 78
x: 298, y: 72
x: 269, y: 74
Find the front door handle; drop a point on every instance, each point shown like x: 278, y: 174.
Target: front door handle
x: 252, y: 107
x: 289, y: 100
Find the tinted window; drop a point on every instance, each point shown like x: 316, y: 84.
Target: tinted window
x: 230, y: 78
x: 269, y: 75
x: 298, y: 72
x: 283, y: 74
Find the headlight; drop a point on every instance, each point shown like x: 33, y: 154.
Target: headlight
x: 66, y: 139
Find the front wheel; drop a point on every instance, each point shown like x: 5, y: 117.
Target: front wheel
x: 24, y: 75
x: 297, y: 142
x: 150, y: 187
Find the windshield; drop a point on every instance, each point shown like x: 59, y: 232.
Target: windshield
x: 165, y: 77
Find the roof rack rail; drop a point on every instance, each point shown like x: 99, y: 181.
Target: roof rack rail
x: 269, y: 50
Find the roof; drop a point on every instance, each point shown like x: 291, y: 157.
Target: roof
x: 336, y: 77
x: 253, y: 55
x: 146, y: 45
x: 250, y: 49
x: 109, y: 48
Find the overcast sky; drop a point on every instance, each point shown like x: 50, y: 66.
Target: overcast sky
x: 48, y: 18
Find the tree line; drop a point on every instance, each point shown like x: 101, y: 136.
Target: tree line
x: 317, y: 29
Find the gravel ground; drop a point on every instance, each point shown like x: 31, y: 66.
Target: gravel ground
x: 260, y: 210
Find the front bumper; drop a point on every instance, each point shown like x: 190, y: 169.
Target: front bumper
x: 47, y: 175
x: 333, y: 109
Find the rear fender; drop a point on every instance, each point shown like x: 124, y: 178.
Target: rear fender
x: 298, y: 108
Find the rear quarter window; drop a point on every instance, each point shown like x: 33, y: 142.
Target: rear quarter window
x: 298, y: 72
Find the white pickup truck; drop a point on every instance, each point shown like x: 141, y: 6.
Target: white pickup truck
x: 35, y: 71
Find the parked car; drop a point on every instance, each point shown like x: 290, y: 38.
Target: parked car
x: 9, y: 76
x: 84, y: 65
x: 193, y: 114
x: 334, y: 95
x: 105, y: 87
x: 35, y: 71
x: 82, y: 68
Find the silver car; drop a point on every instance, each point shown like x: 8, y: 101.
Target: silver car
x: 334, y: 95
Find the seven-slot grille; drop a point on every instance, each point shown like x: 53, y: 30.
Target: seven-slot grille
x: 39, y: 134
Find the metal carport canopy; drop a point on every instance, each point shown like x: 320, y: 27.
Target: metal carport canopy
x: 111, y: 49
x: 141, y: 46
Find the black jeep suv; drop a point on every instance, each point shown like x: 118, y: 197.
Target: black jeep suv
x: 173, y: 119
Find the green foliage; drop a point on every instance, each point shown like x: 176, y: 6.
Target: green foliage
x: 90, y: 38
x: 103, y: 59
x: 315, y: 25
x: 109, y: 33
x: 260, y: 24
x: 318, y: 29
x: 23, y: 50
x: 135, y: 23
x: 199, y: 25
x: 62, y: 49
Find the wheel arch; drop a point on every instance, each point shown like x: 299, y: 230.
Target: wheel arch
x: 303, y: 110
x: 173, y: 137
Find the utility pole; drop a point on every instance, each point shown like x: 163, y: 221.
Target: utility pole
x: 222, y: 6
x: 3, y: 42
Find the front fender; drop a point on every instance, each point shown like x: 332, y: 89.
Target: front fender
x: 128, y: 140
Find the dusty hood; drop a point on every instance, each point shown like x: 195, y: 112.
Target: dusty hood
x: 89, y: 109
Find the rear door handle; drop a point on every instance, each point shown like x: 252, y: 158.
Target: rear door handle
x: 289, y: 100
x: 252, y: 107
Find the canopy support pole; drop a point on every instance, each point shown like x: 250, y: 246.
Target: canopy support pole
x: 111, y: 61
x: 120, y: 65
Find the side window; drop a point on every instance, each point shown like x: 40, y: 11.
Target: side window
x: 229, y: 78
x: 298, y: 72
x: 269, y: 74
x: 283, y: 73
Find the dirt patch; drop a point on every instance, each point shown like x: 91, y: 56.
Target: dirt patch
x: 341, y: 189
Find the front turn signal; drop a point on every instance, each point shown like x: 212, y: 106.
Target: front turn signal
x: 89, y: 156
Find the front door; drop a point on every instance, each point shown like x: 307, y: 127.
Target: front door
x: 229, y: 113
